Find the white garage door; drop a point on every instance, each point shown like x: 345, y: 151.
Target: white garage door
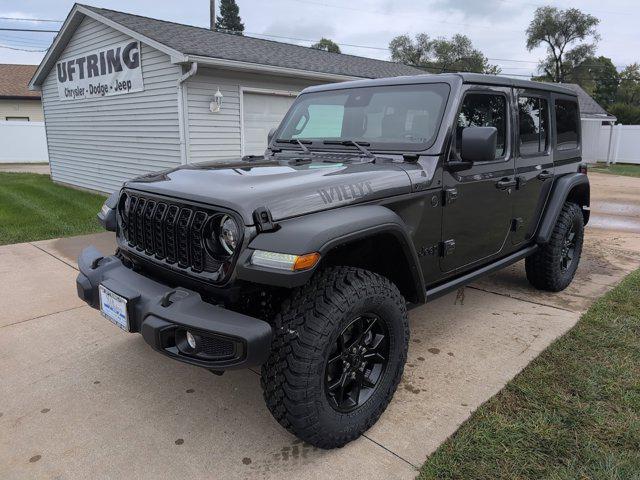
x: 261, y: 112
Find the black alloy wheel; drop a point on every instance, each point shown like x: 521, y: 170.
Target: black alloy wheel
x: 568, y: 249
x: 356, y: 363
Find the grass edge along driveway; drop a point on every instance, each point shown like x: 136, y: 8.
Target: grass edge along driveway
x: 32, y: 207
x: 626, y: 169
x: 573, y: 413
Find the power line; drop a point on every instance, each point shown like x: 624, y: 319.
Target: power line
x: 27, y: 30
x: 22, y: 49
x: 18, y: 19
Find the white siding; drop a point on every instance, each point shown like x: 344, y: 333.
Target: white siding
x: 21, y: 108
x: 217, y: 135
x: 99, y: 143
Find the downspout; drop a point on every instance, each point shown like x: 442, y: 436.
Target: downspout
x: 182, y: 111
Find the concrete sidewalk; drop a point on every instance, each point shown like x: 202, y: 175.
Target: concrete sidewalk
x: 81, y: 399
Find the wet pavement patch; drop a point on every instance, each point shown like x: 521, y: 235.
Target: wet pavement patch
x: 435, y: 351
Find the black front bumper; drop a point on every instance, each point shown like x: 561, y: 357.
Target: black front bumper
x: 163, y: 315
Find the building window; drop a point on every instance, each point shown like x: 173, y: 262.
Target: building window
x: 16, y: 119
x: 533, y: 117
x: 567, y: 124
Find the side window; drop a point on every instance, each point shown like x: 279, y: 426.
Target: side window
x: 533, y: 114
x: 567, y: 124
x: 484, y: 110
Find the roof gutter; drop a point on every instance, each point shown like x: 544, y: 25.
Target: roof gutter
x: 273, y: 70
x: 182, y: 111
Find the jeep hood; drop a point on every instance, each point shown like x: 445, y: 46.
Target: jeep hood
x: 286, y: 187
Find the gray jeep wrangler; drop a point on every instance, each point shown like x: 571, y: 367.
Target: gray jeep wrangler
x: 373, y: 197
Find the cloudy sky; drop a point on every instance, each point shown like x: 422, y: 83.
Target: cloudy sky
x: 361, y: 27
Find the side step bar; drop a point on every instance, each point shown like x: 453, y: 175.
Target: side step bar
x: 467, y: 278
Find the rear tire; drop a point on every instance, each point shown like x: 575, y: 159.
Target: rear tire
x: 325, y: 381
x: 554, y: 265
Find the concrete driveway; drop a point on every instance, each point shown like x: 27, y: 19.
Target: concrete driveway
x: 81, y: 399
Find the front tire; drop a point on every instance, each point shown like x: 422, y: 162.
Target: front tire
x: 554, y: 265
x: 338, y: 353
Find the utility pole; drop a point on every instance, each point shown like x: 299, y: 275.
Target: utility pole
x: 212, y: 15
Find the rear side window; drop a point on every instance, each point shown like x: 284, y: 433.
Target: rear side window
x: 533, y: 115
x: 484, y: 110
x: 567, y: 124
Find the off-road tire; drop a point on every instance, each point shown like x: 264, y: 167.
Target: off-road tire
x: 544, y: 268
x: 310, y: 320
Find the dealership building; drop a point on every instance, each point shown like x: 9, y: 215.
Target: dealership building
x: 125, y: 95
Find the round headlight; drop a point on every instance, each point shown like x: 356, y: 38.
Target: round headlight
x: 228, y: 234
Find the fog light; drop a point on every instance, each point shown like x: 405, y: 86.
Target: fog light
x: 191, y: 340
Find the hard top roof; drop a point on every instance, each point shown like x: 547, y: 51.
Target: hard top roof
x: 475, y: 78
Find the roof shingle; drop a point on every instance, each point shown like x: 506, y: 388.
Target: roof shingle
x: 14, y: 81
x: 204, y: 42
x: 588, y: 106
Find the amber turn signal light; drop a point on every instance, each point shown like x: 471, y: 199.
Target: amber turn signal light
x: 305, y: 262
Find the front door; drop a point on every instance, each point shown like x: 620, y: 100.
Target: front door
x: 534, y: 163
x: 477, y: 210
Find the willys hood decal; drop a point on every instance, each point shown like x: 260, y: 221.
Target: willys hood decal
x: 287, y: 188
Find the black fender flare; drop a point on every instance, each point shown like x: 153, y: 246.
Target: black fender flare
x: 321, y: 232
x: 562, y: 189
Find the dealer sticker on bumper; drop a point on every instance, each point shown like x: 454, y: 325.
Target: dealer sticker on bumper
x: 114, y: 308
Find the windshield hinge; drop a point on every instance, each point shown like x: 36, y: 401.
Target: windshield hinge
x: 264, y: 220
x: 410, y: 157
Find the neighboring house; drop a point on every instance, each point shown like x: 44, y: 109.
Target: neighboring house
x: 17, y: 102
x: 596, y: 141
x: 124, y: 95
x: 22, y: 135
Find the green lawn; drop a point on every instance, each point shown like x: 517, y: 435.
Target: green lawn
x: 32, y: 207
x: 573, y: 413
x: 617, y: 169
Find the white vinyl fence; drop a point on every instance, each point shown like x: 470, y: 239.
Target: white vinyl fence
x: 23, y: 142
x: 610, y: 143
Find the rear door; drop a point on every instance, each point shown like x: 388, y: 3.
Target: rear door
x: 534, y: 162
x: 477, y: 202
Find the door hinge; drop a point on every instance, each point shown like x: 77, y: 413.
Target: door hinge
x: 516, y: 224
x: 447, y: 247
x: 449, y: 196
x: 264, y: 220
x: 520, y: 182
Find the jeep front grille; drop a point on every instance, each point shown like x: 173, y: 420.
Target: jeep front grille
x: 171, y: 232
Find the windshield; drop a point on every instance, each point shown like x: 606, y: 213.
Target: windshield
x: 386, y: 117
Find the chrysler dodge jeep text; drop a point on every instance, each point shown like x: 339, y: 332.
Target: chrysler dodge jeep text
x: 373, y: 197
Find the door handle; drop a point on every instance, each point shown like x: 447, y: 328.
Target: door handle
x: 544, y: 175
x: 506, y: 183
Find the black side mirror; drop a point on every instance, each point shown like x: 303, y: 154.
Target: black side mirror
x: 270, y: 135
x: 478, y: 144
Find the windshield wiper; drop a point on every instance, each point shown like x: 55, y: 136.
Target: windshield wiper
x: 359, y: 145
x: 294, y: 141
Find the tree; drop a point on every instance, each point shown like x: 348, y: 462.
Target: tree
x: 629, y: 88
x: 440, y: 54
x: 625, y: 113
x: 559, y: 30
x: 229, y: 19
x: 327, y: 45
x: 606, y: 80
